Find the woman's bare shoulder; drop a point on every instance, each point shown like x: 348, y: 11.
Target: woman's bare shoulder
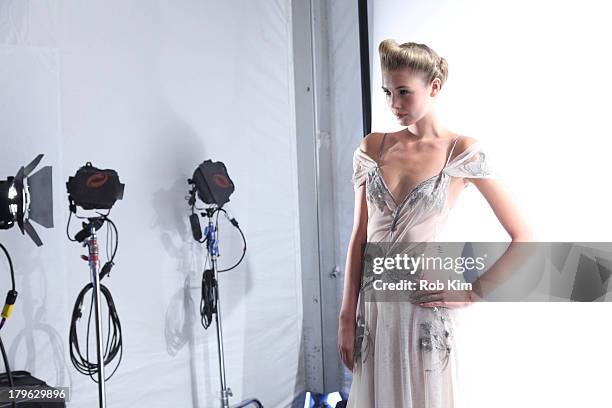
x: 371, y: 143
x: 463, y: 142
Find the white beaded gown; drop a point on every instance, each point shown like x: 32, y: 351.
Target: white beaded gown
x: 404, y: 354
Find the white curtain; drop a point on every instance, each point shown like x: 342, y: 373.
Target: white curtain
x: 152, y: 89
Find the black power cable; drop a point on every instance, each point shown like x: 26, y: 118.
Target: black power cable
x: 208, y: 304
x: 210, y: 294
x: 244, y: 244
x: 11, y: 296
x: 8, y: 369
x: 114, y: 340
x: 6, y: 312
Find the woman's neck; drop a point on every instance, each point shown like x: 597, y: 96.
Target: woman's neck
x: 427, y: 128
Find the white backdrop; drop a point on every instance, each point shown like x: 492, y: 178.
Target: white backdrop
x: 152, y: 89
x: 528, y: 80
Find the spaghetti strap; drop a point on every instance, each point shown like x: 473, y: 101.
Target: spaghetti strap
x: 447, y: 161
x: 380, y: 148
x: 451, y: 152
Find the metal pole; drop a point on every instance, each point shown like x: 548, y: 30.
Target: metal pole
x: 92, y: 245
x: 364, y: 53
x: 213, y: 250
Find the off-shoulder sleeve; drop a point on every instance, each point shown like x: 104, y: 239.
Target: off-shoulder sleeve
x: 362, y: 164
x: 473, y: 162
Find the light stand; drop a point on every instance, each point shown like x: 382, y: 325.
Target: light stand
x: 26, y: 197
x: 94, y: 266
x: 210, y: 233
x: 213, y: 186
x: 95, y: 189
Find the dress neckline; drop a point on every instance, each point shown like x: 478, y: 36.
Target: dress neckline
x: 417, y: 185
x: 412, y: 190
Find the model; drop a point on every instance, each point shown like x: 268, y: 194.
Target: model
x: 402, y: 354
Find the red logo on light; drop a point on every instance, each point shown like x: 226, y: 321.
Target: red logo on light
x: 97, y: 180
x: 221, y: 181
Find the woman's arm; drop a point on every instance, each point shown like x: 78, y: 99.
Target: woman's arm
x: 352, y: 275
x: 499, y: 200
x: 352, y: 281
x: 515, y: 224
x: 353, y: 270
x: 505, y: 209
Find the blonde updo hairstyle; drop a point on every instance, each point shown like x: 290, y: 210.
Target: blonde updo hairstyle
x: 417, y: 57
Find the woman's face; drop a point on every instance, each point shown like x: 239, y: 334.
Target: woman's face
x: 408, y: 96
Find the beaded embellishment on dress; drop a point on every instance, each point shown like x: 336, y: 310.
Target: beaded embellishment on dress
x: 435, y: 340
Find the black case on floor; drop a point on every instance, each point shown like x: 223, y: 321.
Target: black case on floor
x: 25, y: 379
